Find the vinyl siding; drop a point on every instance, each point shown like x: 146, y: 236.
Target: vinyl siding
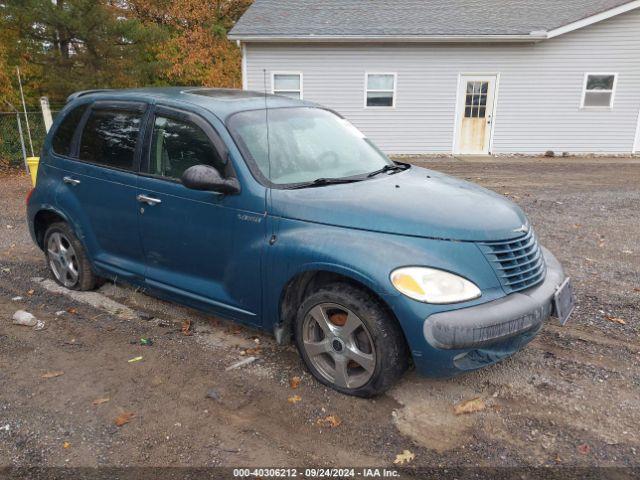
x: 540, y: 88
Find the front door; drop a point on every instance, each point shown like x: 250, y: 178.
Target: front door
x: 196, y: 244
x: 475, y: 114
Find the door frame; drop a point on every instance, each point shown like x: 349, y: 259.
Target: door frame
x: 459, y: 110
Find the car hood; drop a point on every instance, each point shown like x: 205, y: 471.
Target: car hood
x: 416, y: 202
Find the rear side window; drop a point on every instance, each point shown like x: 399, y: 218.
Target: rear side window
x: 109, y: 138
x: 63, y: 137
x: 177, y: 145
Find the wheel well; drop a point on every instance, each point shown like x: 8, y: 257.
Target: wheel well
x: 41, y: 222
x: 302, y: 285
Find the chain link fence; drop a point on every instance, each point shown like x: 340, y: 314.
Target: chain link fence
x: 10, y: 148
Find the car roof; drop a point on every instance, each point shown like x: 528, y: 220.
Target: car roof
x: 222, y: 102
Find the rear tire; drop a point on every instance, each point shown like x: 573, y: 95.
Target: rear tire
x: 67, y: 259
x: 349, y: 341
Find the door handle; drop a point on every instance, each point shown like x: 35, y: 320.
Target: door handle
x: 148, y: 200
x: 70, y: 181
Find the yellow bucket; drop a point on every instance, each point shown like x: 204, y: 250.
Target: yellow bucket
x: 33, y: 162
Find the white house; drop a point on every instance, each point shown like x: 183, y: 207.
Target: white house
x: 461, y: 76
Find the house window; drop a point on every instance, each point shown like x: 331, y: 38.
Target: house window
x: 288, y: 84
x: 381, y: 90
x: 599, y: 90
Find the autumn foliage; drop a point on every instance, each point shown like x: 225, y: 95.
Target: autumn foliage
x: 68, y: 45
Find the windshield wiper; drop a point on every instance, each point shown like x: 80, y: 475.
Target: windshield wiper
x: 390, y: 168
x: 319, y: 182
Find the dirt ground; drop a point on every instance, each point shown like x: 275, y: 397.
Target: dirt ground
x: 571, y: 398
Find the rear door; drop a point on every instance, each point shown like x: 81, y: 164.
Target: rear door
x: 201, y: 247
x: 99, y: 187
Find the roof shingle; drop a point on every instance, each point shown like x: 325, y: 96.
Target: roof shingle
x: 339, y: 18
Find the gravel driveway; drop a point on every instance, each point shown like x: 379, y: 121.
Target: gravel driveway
x: 571, y: 398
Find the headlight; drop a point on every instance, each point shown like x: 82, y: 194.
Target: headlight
x: 433, y: 286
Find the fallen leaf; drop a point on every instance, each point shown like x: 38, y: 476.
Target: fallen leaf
x: 100, y: 401
x: 470, y: 406
x: 253, y: 351
x: 53, y: 374
x: 31, y: 292
x: 577, y: 225
x: 66, y: 445
x: 584, y: 449
x: 636, y: 289
x: 405, y: 457
x: 330, y: 421
x: 124, y: 418
x: 186, y: 327
x: 134, y: 359
x: 294, y: 382
x: 294, y: 399
x: 617, y: 320
x: 72, y: 310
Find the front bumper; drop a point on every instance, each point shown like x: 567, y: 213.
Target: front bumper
x: 499, y: 322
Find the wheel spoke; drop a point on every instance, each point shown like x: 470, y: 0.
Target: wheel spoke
x: 320, y: 316
x: 352, y: 324
x: 54, y: 243
x: 365, y: 360
x: 341, y: 375
x: 53, y: 254
x: 72, y: 271
x: 314, y: 349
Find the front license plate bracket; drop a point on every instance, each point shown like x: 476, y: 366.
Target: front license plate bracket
x: 564, y: 302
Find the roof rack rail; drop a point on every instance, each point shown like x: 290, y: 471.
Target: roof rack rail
x: 81, y: 93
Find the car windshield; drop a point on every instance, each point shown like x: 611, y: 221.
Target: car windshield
x: 305, y: 144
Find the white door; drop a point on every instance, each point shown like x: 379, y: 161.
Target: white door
x: 475, y: 114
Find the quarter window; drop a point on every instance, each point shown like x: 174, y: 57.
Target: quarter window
x: 63, y: 137
x: 109, y: 138
x: 381, y: 89
x: 599, y: 90
x: 177, y: 145
x: 288, y: 84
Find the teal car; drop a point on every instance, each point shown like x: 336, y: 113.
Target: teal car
x: 281, y: 215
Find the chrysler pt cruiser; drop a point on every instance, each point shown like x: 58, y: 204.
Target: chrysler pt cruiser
x: 280, y: 214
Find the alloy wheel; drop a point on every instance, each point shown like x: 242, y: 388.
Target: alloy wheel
x: 62, y: 259
x: 339, y: 345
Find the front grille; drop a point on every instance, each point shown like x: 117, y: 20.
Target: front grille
x: 518, y: 263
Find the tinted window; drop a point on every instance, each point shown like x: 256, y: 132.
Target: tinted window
x: 64, y: 135
x: 109, y: 138
x: 178, y: 145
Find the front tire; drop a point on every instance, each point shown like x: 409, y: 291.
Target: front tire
x: 349, y: 342
x: 67, y: 259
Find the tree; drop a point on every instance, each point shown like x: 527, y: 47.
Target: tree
x: 67, y: 45
x: 196, y: 51
x: 71, y: 45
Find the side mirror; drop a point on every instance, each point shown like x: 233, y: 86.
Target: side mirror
x: 205, y: 177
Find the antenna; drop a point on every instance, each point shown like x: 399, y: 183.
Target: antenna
x: 266, y: 119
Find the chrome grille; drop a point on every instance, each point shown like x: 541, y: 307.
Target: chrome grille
x: 518, y: 263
